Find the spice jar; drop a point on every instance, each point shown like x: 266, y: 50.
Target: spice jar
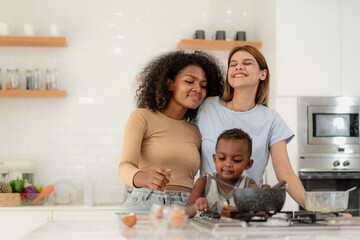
x: 32, y: 79
x: 51, y: 81
x: 13, y: 78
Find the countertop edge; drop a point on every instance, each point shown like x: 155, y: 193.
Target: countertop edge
x: 61, y: 208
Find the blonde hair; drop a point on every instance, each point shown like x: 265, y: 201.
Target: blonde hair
x: 262, y: 93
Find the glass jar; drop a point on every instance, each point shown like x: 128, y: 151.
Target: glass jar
x: 51, y: 81
x: 13, y: 78
x: 32, y: 79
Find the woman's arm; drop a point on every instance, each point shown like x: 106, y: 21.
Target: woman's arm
x: 129, y: 172
x: 252, y: 183
x: 196, y: 202
x: 131, y: 153
x: 284, y: 171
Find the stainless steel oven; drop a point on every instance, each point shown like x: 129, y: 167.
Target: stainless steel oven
x: 329, y: 145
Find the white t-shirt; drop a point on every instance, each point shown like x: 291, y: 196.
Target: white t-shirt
x: 263, y: 124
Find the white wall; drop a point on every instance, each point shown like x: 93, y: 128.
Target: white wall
x: 108, y: 43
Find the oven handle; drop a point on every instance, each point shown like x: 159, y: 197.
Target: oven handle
x: 329, y: 175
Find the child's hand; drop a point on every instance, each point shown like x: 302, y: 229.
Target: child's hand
x: 227, y: 209
x: 201, y: 204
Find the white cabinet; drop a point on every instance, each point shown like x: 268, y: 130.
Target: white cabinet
x: 308, y: 47
x: 350, y: 47
x: 17, y: 224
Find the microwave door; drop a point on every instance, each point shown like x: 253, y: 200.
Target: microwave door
x: 333, y: 125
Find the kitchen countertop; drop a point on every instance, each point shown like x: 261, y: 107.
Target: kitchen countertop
x: 115, y: 230
x: 50, y: 207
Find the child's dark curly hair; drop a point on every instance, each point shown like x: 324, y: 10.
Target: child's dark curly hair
x: 237, y: 134
x: 153, y: 92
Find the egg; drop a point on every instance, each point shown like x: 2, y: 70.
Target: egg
x: 177, y: 217
x: 129, y: 219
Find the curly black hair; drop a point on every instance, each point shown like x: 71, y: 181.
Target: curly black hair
x: 237, y: 134
x: 153, y: 92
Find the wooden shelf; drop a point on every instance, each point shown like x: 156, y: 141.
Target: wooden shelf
x: 32, y: 93
x: 213, y: 44
x: 33, y: 41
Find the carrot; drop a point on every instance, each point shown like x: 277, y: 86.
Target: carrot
x: 22, y: 196
x: 46, y: 191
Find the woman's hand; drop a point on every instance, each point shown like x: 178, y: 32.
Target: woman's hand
x: 158, y: 178
x: 201, y: 205
x: 155, y: 179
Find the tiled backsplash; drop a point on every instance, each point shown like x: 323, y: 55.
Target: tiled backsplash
x: 80, y: 136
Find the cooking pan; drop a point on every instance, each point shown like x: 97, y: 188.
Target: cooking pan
x: 260, y: 199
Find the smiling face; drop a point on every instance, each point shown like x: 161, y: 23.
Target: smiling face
x: 231, y: 159
x: 244, y: 71
x: 189, y: 88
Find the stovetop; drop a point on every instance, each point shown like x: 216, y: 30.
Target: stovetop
x: 294, y: 217
x: 281, y: 221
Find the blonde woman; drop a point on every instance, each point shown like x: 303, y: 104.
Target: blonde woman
x: 244, y: 104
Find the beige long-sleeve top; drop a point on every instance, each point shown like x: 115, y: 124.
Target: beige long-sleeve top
x: 153, y: 139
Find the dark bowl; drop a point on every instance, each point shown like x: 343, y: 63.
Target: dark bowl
x: 259, y: 199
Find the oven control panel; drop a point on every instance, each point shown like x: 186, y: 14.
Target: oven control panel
x: 329, y: 163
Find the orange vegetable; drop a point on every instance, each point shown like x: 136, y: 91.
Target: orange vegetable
x: 129, y: 219
x: 46, y: 191
x: 22, y: 196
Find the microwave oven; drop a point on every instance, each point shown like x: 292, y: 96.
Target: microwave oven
x: 328, y: 125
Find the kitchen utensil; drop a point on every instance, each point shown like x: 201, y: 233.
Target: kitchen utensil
x: 330, y: 201
x: 279, y: 184
x: 220, y: 181
x: 66, y: 192
x: 259, y: 199
x: 46, y: 191
x: 351, y: 189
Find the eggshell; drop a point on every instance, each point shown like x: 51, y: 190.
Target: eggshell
x: 177, y: 217
x: 129, y: 220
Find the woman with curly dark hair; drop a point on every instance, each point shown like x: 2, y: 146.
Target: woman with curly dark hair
x: 161, y: 150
